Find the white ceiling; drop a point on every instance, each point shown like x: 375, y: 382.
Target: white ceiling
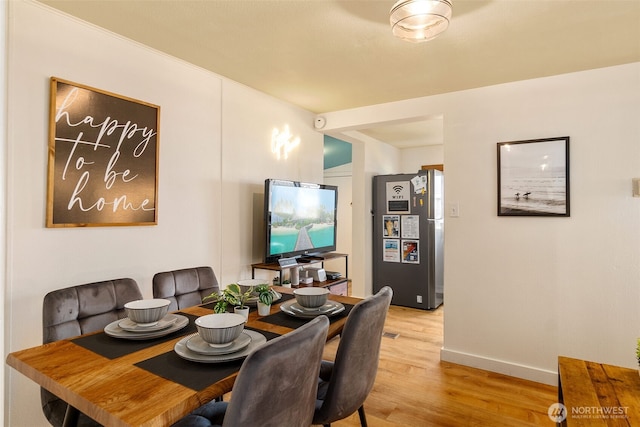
x: 329, y: 55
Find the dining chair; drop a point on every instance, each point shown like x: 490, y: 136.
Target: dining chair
x: 185, y: 287
x: 78, y: 310
x: 344, y: 385
x: 276, y: 385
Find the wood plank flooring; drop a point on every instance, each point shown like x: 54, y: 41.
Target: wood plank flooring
x: 414, y: 388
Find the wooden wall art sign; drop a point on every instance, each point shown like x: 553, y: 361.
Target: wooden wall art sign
x: 103, y: 158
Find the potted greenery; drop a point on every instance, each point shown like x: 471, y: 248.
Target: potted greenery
x: 218, y: 298
x: 266, y: 295
x: 233, y: 295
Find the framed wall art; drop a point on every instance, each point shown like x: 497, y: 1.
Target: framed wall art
x: 103, y: 158
x: 533, y: 177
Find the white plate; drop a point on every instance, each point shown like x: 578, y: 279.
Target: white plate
x: 292, y: 308
x: 114, y: 330
x: 198, y: 345
x: 131, y: 326
x: 257, y: 339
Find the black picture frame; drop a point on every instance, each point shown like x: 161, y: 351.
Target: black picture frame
x: 533, y: 177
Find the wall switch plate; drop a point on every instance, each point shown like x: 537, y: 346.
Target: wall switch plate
x: 454, y: 210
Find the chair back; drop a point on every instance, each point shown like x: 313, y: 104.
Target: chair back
x: 277, y: 383
x: 185, y: 287
x: 356, y: 362
x: 86, y: 308
x: 79, y: 310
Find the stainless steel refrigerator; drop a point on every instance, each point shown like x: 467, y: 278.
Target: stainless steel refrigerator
x: 408, y: 237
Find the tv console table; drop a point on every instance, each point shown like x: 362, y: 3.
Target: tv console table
x: 336, y: 286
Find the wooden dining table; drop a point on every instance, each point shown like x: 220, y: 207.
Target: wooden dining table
x: 121, y: 382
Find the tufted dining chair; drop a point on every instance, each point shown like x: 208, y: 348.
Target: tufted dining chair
x: 79, y: 310
x: 185, y: 287
x: 276, y: 385
x: 344, y: 385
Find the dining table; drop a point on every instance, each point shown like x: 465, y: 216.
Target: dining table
x: 145, y: 382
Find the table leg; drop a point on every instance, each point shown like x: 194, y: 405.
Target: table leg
x: 70, y: 417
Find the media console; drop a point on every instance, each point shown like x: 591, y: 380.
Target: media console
x: 337, y: 286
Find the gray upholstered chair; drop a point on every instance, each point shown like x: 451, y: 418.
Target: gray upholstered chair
x: 345, y: 384
x: 276, y: 385
x: 79, y: 310
x: 185, y: 287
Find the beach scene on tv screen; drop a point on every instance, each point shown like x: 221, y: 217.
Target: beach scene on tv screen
x: 301, y: 219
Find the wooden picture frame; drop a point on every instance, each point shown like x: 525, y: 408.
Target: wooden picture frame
x: 103, y: 158
x: 533, y: 177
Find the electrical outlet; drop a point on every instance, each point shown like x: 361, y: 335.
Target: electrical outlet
x: 419, y: 299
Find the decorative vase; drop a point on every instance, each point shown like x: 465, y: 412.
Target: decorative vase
x: 263, y: 309
x: 295, y: 276
x: 244, y: 311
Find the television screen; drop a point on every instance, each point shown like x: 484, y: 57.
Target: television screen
x: 300, y: 218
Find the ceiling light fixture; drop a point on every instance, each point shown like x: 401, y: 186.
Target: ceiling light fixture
x: 420, y: 20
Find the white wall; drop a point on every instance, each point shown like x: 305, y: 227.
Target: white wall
x: 413, y: 159
x: 214, y: 156
x: 342, y: 177
x: 519, y: 291
x: 3, y: 205
x: 249, y: 118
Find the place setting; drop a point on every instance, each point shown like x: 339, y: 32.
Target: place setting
x: 221, y: 337
x: 311, y: 302
x: 146, y: 319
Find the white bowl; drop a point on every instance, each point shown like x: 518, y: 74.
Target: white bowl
x: 147, y: 312
x: 220, y: 329
x: 251, y: 283
x: 311, y: 297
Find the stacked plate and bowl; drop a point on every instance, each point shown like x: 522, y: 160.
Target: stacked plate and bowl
x: 311, y: 302
x: 146, y: 319
x: 221, y: 337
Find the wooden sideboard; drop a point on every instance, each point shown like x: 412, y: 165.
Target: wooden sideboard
x: 595, y: 394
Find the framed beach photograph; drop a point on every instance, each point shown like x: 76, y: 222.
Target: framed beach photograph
x: 533, y: 177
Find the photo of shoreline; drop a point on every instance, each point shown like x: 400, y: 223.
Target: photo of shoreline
x: 533, y: 178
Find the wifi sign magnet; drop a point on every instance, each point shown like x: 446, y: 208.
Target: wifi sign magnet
x: 398, y: 195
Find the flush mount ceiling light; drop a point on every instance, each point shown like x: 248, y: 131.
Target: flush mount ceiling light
x: 420, y: 20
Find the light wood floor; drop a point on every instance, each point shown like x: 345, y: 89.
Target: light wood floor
x: 414, y: 388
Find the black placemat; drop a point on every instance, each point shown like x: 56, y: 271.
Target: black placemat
x: 283, y: 319
x: 112, y: 348
x: 195, y: 375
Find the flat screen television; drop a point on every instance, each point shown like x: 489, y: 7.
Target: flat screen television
x: 300, y: 219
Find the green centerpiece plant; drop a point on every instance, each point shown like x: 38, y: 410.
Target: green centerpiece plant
x: 232, y: 294
x: 266, y: 294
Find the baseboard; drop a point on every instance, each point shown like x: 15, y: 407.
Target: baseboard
x: 500, y: 366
